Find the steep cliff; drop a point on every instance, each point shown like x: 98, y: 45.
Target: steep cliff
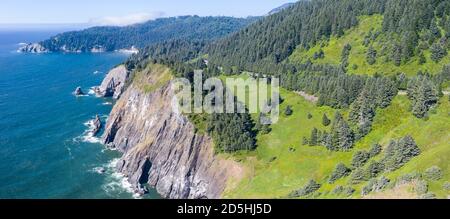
x: 161, y: 147
x: 114, y: 83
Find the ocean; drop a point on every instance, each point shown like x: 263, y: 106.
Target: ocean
x: 46, y: 150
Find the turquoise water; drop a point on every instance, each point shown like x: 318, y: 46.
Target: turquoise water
x: 45, y: 150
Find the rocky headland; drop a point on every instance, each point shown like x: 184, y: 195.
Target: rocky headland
x: 114, y: 83
x: 161, y: 147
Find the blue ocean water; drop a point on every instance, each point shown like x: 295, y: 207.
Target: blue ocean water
x: 45, y: 148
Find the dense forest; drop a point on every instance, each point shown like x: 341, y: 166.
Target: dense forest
x: 141, y: 35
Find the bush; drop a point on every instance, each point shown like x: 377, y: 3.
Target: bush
x: 339, y: 172
x: 433, y: 173
x: 446, y: 186
x: 309, y: 188
x: 358, y: 176
x: 407, y: 178
x: 338, y: 190
x: 341, y: 190
x: 310, y: 116
x: 374, y: 169
x: 360, y: 158
x: 288, y: 111
x: 429, y: 195
x: 375, y: 150
x: 375, y: 185
x: 421, y: 187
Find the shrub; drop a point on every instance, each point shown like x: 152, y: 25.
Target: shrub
x: 433, y: 173
x: 374, y: 169
x: 375, y: 150
x: 338, y: 190
x: 407, y: 178
x: 310, y: 116
x: 421, y: 187
x: 339, y: 172
x: 446, y: 186
x: 358, y: 176
x: 360, y: 158
x: 428, y: 195
x: 309, y: 188
x: 341, y: 190
x: 375, y: 185
x: 288, y: 111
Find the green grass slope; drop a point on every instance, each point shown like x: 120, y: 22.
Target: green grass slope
x: 355, y: 37
x: 277, y: 170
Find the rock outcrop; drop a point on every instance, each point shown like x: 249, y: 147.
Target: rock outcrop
x: 78, y: 92
x: 96, y: 125
x: 114, y: 83
x: 162, y: 148
x: 33, y: 48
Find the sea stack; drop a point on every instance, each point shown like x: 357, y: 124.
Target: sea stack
x: 97, y: 125
x: 78, y: 92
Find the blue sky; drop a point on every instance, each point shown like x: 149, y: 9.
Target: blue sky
x: 124, y: 11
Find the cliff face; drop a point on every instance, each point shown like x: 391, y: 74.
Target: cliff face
x: 114, y: 83
x: 162, y: 148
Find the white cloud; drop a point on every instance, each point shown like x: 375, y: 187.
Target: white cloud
x: 125, y: 20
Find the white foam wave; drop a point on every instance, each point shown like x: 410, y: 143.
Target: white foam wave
x: 88, y: 135
x: 117, y: 182
x: 97, y: 72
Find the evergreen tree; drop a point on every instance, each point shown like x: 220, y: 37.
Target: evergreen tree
x: 371, y: 56
x: 288, y: 111
x: 398, y: 153
x: 375, y: 150
x: 339, y: 172
x: 360, y: 158
x: 437, y: 52
x: 325, y: 120
x: 314, y: 137
x: 341, y: 134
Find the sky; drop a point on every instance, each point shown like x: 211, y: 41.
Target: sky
x: 124, y: 12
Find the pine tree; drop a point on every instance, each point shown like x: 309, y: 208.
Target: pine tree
x: 314, y: 137
x: 325, y: 120
x: 371, y: 56
x: 360, y: 158
x: 437, y: 52
x: 375, y: 150
x: 341, y: 134
x: 339, y: 172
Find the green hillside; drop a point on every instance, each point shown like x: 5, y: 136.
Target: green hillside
x: 357, y: 61
x: 282, y: 164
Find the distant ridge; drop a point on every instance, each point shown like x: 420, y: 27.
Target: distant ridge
x: 282, y: 7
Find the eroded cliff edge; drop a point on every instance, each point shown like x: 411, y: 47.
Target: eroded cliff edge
x: 161, y: 147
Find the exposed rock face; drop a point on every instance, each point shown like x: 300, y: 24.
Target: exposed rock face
x: 162, y: 148
x: 114, y: 83
x: 33, y: 48
x: 78, y: 92
x: 97, y: 125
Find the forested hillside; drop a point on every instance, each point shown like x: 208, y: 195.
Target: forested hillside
x: 141, y: 35
x: 365, y: 105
